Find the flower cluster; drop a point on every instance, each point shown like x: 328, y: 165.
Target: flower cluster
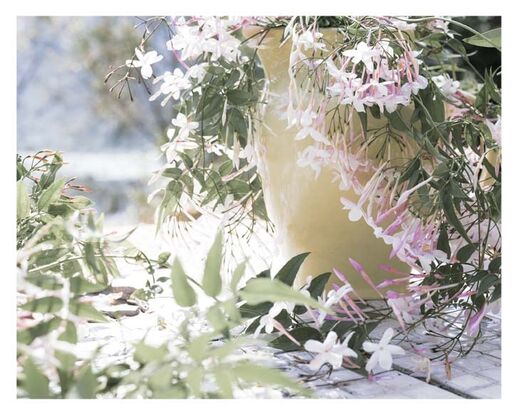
x: 414, y: 149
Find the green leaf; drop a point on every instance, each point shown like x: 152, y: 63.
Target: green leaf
x: 161, y: 378
x: 36, y: 384
x: 44, y: 305
x: 318, y: 284
x: 249, y: 311
x: 237, y: 275
x: 301, y: 334
x: 212, y: 277
x: 184, y: 294
x: 47, y: 282
x: 198, y: 348
x: 464, y: 253
x: 443, y: 243
x: 396, y: 121
x: 239, y: 97
x: 263, y: 375
x: 70, y: 333
x: 79, y: 285
x: 363, y: 121
x: 216, y: 318
x: 23, y: 203
x: 449, y: 211
x: 86, y: 311
x: 86, y: 385
x: 27, y: 335
x: 489, y: 39
x: 289, y: 271
x: 224, y: 380
x: 145, y: 353
x: 194, y: 380
x: 51, y: 194
x: 262, y: 290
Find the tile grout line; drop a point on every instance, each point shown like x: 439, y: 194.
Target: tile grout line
x: 436, y: 383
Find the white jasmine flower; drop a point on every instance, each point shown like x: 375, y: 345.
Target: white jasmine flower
x: 144, y: 62
x: 448, y: 86
x: 332, y: 298
x: 172, y: 85
x: 310, y: 40
x: 496, y: 130
x: 197, y: 71
x: 184, y: 126
x: 189, y: 40
x: 404, y: 308
x: 306, y: 122
x: 267, y: 322
x: 330, y: 351
x: 364, y: 53
x: 414, y: 86
x: 382, y: 352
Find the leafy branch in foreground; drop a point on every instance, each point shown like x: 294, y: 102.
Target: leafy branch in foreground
x: 64, y: 260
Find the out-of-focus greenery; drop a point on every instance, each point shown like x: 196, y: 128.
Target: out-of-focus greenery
x: 64, y: 257
x: 483, y: 59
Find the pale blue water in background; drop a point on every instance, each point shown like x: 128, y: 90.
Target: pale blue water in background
x: 111, y: 144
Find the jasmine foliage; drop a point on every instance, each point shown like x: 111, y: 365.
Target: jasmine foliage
x: 64, y: 259
x: 428, y: 139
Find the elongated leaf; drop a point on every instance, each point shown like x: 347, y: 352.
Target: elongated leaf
x: 489, y: 39
x: 237, y: 275
x: 145, y: 353
x: 184, y: 294
x: 449, y: 211
x: 44, y: 305
x: 36, y: 384
x: 464, y: 253
x: 318, y: 284
x: 23, y: 204
x: 253, y: 373
x: 262, y: 290
x: 212, y: 277
x: 51, y: 194
x: 86, y: 383
x: 289, y: 271
x: 301, y: 334
x: 86, y: 311
x: 224, y: 381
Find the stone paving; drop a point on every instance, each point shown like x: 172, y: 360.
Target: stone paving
x: 476, y: 376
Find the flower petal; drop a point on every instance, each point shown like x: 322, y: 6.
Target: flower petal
x: 373, y: 361
x: 385, y: 359
x: 370, y: 347
x: 314, y: 346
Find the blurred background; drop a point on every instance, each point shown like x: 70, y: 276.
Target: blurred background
x: 110, y: 144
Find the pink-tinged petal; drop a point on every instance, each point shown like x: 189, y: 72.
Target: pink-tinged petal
x: 357, y: 266
x: 385, y: 359
x: 281, y: 328
x: 353, y: 305
x: 314, y: 346
x: 365, y: 276
x: 474, y: 321
x: 346, y: 310
x: 317, y: 362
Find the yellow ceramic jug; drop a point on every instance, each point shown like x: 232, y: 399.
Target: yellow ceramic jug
x: 306, y: 210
